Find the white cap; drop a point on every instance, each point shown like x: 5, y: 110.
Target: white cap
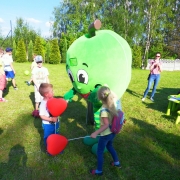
x: 38, y: 58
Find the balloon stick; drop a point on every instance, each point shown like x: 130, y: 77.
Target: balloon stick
x: 79, y: 138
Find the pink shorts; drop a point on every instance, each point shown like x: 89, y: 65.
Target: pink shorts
x: 2, y: 82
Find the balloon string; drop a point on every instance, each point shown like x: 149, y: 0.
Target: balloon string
x: 55, y: 128
x: 79, y: 138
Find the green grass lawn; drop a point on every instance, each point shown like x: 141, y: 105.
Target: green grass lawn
x: 148, y: 146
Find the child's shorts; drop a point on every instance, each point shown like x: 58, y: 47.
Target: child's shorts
x: 2, y: 82
x: 10, y: 74
x: 38, y: 97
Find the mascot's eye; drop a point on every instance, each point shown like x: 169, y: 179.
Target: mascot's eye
x: 82, y: 76
x: 70, y: 75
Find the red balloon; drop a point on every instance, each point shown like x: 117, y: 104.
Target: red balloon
x: 56, y: 106
x: 56, y: 144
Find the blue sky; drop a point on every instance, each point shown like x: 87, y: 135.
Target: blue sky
x: 37, y: 13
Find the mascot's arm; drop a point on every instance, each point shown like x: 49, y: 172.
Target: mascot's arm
x: 70, y: 94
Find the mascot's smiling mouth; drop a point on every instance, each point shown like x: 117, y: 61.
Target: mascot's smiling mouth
x: 91, y: 91
x: 85, y: 95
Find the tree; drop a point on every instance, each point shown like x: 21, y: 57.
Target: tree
x: 55, y: 57
x: 73, y: 16
x: 20, y: 55
x: 30, y: 51
x: 136, y: 56
x: 63, y: 47
x: 38, y: 47
x: 14, y: 51
x: 157, y: 14
x: 48, y: 50
x: 23, y: 31
x: 172, y: 38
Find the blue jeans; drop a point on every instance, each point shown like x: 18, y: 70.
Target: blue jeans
x: 105, y: 141
x: 153, y: 78
x: 50, y: 129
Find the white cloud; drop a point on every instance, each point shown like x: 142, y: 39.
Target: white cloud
x: 32, y: 20
x: 1, y: 20
x: 49, y: 23
x: 5, y: 30
x: 46, y: 34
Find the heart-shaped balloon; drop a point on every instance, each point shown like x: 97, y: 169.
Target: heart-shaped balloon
x: 56, y: 144
x: 56, y: 106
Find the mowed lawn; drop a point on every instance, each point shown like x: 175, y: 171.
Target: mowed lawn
x: 148, y: 146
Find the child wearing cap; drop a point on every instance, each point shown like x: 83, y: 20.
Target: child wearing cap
x: 2, y: 77
x: 8, y: 66
x: 39, y: 75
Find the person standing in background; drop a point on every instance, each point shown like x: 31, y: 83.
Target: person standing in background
x: 8, y: 67
x: 154, y: 76
x: 2, y: 77
x: 39, y: 75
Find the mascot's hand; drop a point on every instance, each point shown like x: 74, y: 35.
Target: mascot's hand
x: 69, y: 95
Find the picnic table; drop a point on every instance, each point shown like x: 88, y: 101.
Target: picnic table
x: 173, y: 104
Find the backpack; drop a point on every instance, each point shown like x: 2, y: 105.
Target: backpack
x: 117, y: 121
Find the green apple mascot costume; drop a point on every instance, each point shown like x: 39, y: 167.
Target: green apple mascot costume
x: 95, y: 59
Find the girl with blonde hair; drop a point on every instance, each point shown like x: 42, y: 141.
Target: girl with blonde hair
x: 109, y: 100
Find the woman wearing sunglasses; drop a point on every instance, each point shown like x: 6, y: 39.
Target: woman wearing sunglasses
x: 154, y: 76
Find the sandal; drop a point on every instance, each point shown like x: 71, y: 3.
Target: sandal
x: 93, y: 171
x: 3, y: 100
x: 118, y: 166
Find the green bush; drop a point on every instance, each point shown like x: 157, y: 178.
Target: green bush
x: 137, y: 57
x: 55, y: 57
x: 20, y: 55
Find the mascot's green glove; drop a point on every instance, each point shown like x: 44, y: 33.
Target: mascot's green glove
x: 69, y: 95
x: 94, y: 106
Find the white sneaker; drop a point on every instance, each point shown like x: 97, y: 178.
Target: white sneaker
x: 143, y: 99
x: 152, y: 99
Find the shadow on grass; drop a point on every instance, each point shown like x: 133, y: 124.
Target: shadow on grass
x: 167, y: 141
x: 6, y: 91
x: 73, y: 119
x: 76, y: 160
x: 16, y: 168
x: 153, y: 150
x: 1, y: 131
x: 160, y: 98
x: 31, y: 97
x: 133, y: 93
x: 38, y: 125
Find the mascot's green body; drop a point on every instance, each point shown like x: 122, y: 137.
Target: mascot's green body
x: 92, y: 61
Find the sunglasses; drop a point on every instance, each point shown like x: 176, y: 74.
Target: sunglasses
x: 158, y: 56
x: 39, y: 62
